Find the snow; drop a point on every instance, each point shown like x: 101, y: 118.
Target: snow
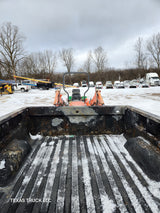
x: 153, y: 186
x: 75, y: 193
x: 106, y: 202
x: 147, y: 99
x: 118, y: 146
x: 51, y: 176
x: 62, y: 180
x: 128, y: 189
x: 2, y: 164
x: 35, y: 137
x: 87, y: 180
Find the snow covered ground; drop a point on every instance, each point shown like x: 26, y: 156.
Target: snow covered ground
x: 147, y: 99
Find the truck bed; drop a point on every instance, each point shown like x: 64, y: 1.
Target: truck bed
x: 80, y: 174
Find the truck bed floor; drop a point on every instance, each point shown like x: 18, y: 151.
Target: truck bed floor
x: 81, y: 174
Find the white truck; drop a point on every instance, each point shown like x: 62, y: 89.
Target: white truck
x: 21, y: 87
x: 152, y: 79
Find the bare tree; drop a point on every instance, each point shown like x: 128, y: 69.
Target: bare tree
x: 51, y: 62
x: 47, y: 61
x: 153, y: 47
x: 28, y: 67
x: 42, y: 64
x: 99, y: 57
x: 140, y: 60
x: 11, y: 48
x: 38, y: 65
x: 34, y: 62
x: 67, y: 57
x: 88, y: 62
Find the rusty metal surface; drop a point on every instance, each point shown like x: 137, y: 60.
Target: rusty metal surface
x: 79, y: 120
x: 67, y: 120
x: 138, y: 123
x: 12, y: 156
x: 70, y: 110
x: 13, y: 126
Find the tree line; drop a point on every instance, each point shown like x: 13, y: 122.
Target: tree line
x: 15, y: 61
x: 148, y: 52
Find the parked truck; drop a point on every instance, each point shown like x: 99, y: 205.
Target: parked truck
x: 45, y: 86
x: 21, y: 87
x: 152, y: 79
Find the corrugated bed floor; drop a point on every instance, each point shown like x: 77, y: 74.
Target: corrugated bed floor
x: 82, y: 174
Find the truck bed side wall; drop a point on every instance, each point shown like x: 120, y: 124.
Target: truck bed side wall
x: 140, y: 123
x: 13, y: 126
x: 79, y: 121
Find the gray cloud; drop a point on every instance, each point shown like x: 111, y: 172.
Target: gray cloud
x: 83, y: 25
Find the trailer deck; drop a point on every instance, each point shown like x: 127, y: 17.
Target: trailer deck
x: 80, y: 174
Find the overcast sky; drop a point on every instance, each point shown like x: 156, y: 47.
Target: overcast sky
x: 84, y: 25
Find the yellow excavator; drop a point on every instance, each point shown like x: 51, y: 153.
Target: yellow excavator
x: 5, y: 88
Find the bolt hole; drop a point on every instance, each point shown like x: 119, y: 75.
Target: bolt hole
x: 77, y: 111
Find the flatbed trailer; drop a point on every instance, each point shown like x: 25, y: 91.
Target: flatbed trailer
x: 80, y: 159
